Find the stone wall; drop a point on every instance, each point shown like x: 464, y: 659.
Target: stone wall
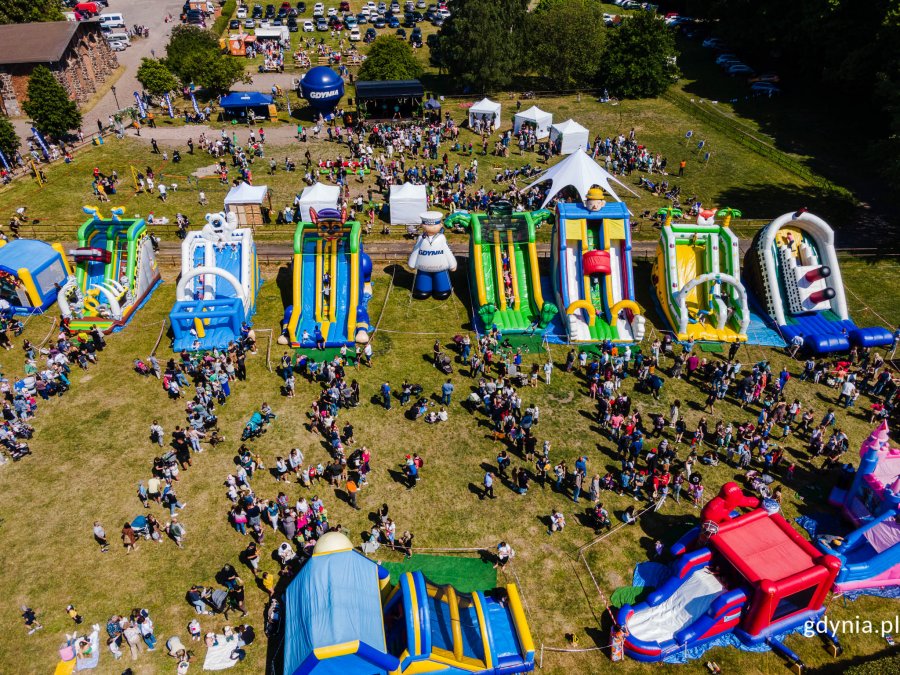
x: 84, y: 67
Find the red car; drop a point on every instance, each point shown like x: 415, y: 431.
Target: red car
x: 345, y: 6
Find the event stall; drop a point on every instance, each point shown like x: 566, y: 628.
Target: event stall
x: 566, y: 137
x: 318, y: 196
x: 534, y: 117
x: 250, y: 203
x: 407, y: 202
x: 240, y: 104
x: 484, y: 111
x: 389, y: 99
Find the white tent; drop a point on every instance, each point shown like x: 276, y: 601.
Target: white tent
x: 408, y: 202
x: 537, y: 118
x: 318, y: 196
x: 570, y: 135
x: 484, y: 110
x: 581, y: 172
x: 273, y: 33
x: 246, y: 194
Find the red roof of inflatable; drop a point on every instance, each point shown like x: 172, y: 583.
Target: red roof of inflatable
x: 763, y: 547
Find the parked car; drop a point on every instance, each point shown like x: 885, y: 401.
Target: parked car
x: 345, y: 6
x: 354, y: 35
x: 118, y: 46
x: 740, y: 69
x: 249, y: 24
x: 292, y: 24
x: 362, y: 18
x: 332, y: 11
x: 370, y: 35
x: 394, y: 22
x: 722, y: 58
x: 321, y: 24
x: 301, y: 7
x: 234, y: 24
x: 318, y: 9
x: 379, y: 22
x: 257, y: 11
x: 401, y: 33
x: 242, y: 12
x: 437, y: 21
x: 713, y: 43
x: 770, y: 78
x: 270, y: 11
x: 765, y: 88
x: 444, y: 12
x: 278, y: 21
x: 308, y: 26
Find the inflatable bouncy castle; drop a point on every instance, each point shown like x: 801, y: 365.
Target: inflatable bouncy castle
x: 749, y: 575
x: 592, y: 271
x: 216, y: 294
x: 503, y: 268
x: 793, y: 269
x: 331, y: 283
x: 31, y: 273
x: 342, y: 617
x: 697, y: 280
x: 115, y: 272
x: 869, y: 554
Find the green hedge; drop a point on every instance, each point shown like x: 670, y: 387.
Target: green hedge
x: 889, y: 665
x: 221, y: 24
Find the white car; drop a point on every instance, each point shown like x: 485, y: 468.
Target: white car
x: 332, y: 11
x: 395, y: 7
x: 118, y: 46
x: 373, y: 8
x: 365, y: 11
x: 318, y: 9
x: 308, y: 26
x: 443, y: 12
x: 354, y: 35
x: 242, y: 12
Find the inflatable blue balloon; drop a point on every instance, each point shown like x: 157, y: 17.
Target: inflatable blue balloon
x: 322, y: 87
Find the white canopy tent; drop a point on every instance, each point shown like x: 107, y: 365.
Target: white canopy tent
x: 539, y: 119
x: 484, y: 111
x: 581, y: 172
x: 408, y: 202
x: 318, y: 196
x: 569, y: 135
x: 246, y: 194
x: 247, y: 203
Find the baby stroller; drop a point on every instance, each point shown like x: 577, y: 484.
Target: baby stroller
x: 217, y: 599
x: 140, y: 527
x: 444, y: 364
x: 141, y: 368
x: 254, y: 428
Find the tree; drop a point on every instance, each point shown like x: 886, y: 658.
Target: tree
x: 9, y: 139
x: 390, y: 59
x: 185, y: 45
x: 482, y: 42
x: 565, y: 41
x: 155, y: 77
x: 214, y: 72
x: 28, y: 11
x: 639, y: 61
x: 49, y: 106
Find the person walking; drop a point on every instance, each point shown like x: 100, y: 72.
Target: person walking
x: 386, y: 395
x: 488, y: 485
x: 352, y: 490
x: 446, y: 392
x: 129, y: 540
x: 100, y: 537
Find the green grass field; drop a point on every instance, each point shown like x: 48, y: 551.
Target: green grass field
x: 91, y: 448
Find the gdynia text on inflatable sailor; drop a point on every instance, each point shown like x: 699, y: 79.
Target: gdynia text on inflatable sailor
x: 432, y: 260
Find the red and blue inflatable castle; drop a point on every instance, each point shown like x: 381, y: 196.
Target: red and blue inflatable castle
x: 751, y: 575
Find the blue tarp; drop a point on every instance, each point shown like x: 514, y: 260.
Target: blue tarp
x: 724, y: 640
x: 334, y: 599
x: 821, y: 523
x: 650, y: 574
x: 245, y: 99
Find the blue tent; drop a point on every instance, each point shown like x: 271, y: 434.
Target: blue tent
x: 239, y: 102
x: 333, y: 614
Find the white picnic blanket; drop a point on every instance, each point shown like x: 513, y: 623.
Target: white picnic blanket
x: 218, y: 657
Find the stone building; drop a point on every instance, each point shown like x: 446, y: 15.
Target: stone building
x: 76, y: 53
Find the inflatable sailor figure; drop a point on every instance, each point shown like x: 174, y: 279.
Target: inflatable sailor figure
x: 432, y: 260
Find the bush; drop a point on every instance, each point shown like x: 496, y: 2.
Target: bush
x: 221, y: 24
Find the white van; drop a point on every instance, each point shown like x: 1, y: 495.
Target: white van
x: 117, y: 37
x: 112, y: 20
